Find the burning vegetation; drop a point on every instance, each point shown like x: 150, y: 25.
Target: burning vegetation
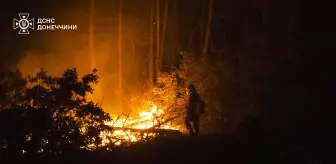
x: 53, y: 115
x: 150, y: 123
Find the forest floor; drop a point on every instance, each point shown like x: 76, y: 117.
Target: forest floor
x: 188, y: 149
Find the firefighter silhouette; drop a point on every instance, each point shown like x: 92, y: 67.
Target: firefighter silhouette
x: 195, y: 107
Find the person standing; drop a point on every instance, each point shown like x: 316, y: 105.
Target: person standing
x: 192, y: 114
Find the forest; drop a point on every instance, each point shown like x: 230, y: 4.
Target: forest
x: 115, y: 89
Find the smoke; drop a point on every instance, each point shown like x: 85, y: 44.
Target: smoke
x: 56, y: 63
x: 56, y: 51
x: 60, y: 50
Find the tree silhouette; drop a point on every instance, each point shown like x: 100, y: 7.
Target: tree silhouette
x: 44, y: 114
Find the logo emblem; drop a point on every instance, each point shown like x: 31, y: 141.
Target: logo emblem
x: 23, y: 23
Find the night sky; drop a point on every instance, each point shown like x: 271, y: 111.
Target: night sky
x: 231, y: 19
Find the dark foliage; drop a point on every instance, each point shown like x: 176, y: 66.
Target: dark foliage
x: 44, y: 115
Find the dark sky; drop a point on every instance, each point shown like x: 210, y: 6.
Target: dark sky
x: 238, y: 20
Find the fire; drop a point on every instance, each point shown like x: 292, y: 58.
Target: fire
x: 135, y: 129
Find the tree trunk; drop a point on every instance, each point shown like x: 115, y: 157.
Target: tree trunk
x: 202, y: 25
x: 176, y: 39
x: 133, y: 53
x: 120, y: 54
x: 151, y: 46
x: 157, y: 59
x: 164, y: 32
x: 91, y: 35
x: 208, y: 29
x: 190, y: 47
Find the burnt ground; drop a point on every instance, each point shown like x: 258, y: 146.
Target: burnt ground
x: 201, y: 149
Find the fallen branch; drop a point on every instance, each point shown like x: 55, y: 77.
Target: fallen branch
x: 150, y: 130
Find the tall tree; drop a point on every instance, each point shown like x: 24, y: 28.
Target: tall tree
x: 208, y: 28
x: 202, y: 25
x: 133, y: 53
x: 164, y: 31
x: 120, y: 54
x: 157, y: 59
x: 151, y: 45
x: 91, y: 35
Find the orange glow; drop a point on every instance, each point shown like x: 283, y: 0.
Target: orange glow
x: 147, y: 118
x: 66, y: 50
